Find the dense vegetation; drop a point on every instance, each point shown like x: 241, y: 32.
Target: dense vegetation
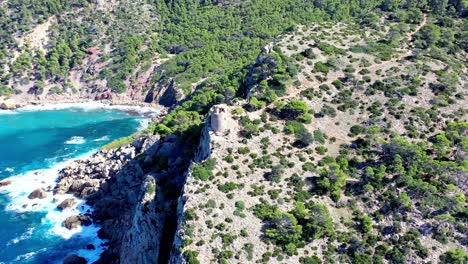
x: 212, y: 51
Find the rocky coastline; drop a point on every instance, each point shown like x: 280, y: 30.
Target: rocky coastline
x: 134, y: 203
x: 13, y: 104
x: 111, y: 183
x: 136, y: 199
x: 136, y: 195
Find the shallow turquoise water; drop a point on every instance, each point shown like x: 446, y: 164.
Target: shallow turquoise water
x: 34, y: 145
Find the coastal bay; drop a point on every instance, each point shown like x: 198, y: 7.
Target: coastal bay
x: 37, y: 142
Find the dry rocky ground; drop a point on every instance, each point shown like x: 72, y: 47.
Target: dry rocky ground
x: 221, y: 222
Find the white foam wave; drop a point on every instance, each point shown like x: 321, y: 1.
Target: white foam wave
x: 144, y: 123
x: 104, y: 138
x: 75, y: 141
x: 8, y: 112
x: 28, y: 255
x: 9, y: 170
x: 24, y: 236
x: 92, y: 106
x: 20, y: 188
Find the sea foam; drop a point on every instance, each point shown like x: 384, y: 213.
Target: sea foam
x: 24, y: 236
x: 93, y: 106
x: 20, y: 188
x: 7, y: 112
x: 104, y: 138
x: 75, y: 141
x: 28, y: 255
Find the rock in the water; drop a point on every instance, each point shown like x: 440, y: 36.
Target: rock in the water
x: 5, y: 183
x: 76, y: 221
x: 74, y: 259
x: 9, y: 104
x: 38, y: 194
x: 67, y: 203
x: 90, y: 247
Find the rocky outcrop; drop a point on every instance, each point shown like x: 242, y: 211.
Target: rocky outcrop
x: 38, y: 194
x: 141, y: 242
x: 67, y: 203
x: 203, y: 153
x: 74, y: 259
x: 9, y: 104
x: 135, y: 192
x: 121, y: 188
x: 5, y: 183
x: 86, y: 177
x: 163, y: 94
x: 77, y: 220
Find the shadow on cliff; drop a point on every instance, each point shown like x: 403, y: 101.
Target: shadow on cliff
x: 135, y: 193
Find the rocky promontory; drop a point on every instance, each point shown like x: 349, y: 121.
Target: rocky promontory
x: 132, y: 200
x: 110, y: 181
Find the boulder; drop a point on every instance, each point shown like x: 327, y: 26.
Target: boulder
x: 8, y: 104
x: 67, y: 203
x: 77, y: 220
x: 38, y: 194
x: 90, y: 247
x: 5, y: 183
x: 74, y: 259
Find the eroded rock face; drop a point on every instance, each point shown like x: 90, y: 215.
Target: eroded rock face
x: 77, y: 220
x: 74, y: 259
x: 165, y: 95
x: 38, y: 194
x: 121, y: 186
x: 85, y: 177
x: 111, y: 182
x: 141, y: 242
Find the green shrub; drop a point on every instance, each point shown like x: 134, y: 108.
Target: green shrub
x: 243, y: 150
x: 227, y: 187
x: 191, y: 257
x: 294, y: 110
x: 321, y: 67
x: 454, y: 256
x: 204, y: 171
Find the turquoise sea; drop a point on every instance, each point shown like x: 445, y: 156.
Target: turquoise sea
x: 34, y: 145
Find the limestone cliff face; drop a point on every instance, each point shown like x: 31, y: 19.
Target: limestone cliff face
x: 163, y: 94
x: 141, y: 242
x: 116, y: 186
x: 218, y: 122
x: 138, y: 196
x: 204, y: 148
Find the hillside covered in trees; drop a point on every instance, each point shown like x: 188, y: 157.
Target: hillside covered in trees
x: 346, y: 133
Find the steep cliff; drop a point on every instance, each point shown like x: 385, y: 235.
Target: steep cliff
x: 218, y: 123
x: 141, y: 242
x: 164, y: 94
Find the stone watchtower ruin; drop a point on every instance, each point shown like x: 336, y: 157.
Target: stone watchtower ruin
x: 218, y: 119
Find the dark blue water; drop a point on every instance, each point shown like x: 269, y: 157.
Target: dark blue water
x: 34, y: 145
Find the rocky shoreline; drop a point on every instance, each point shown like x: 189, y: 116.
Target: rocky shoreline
x: 110, y: 182
x: 135, y: 192
x: 12, y: 104
x: 128, y: 204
